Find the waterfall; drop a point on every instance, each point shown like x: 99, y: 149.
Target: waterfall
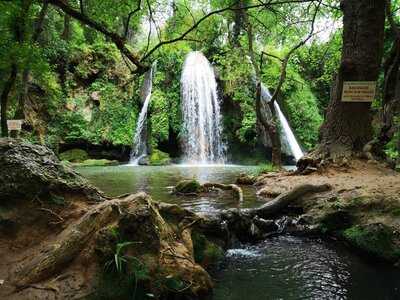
x: 202, y: 130
x: 287, y: 137
x: 288, y: 134
x: 139, y: 146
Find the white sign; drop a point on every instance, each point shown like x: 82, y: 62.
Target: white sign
x: 14, y: 124
x: 358, y: 91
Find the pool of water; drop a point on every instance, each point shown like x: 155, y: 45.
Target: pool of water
x: 288, y: 267
x: 158, y: 181
x: 280, y: 268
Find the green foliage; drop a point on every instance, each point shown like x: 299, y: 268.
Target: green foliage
x: 238, y: 85
x: 392, y: 148
x: 159, y: 158
x: 317, y: 64
x: 265, y: 168
x: 74, y: 155
x: 297, y: 101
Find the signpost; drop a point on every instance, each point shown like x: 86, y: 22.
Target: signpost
x: 358, y: 91
x: 14, y: 125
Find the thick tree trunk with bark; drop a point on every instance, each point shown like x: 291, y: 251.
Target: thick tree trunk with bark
x: 347, y: 127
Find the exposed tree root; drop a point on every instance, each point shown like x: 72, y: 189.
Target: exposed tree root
x: 73, y: 239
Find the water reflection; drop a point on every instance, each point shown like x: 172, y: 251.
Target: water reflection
x: 293, y: 268
x: 158, y: 181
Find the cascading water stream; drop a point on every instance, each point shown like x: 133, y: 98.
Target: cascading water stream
x: 287, y: 135
x: 139, y: 146
x: 290, y: 138
x: 202, y: 142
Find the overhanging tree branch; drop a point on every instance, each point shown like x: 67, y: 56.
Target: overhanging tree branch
x: 232, y: 7
x: 118, y: 40
x: 286, y: 59
x: 130, y: 15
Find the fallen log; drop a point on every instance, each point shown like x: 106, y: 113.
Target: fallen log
x: 276, y: 205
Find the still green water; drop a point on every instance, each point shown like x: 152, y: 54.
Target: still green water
x: 280, y: 268
x: 158, y: 182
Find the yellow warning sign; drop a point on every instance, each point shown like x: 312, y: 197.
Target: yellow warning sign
x: 358, y: 91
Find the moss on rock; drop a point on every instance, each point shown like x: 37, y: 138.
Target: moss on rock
x: 96, y: 162
x: 187, y: 186
x: 159, y: 158
x: 206, y: 253
x: 375, y: 239
x: 74, y: 155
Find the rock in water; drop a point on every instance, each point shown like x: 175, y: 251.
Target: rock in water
x: 28, y: 171
x: 187, y: 186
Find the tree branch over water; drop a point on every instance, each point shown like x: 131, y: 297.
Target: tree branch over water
x: 121, y: 42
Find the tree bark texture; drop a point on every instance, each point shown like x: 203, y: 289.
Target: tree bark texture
x: 347, y: 127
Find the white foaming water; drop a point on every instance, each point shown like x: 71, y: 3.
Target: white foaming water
x: 287, y: 134
x: 139, y: 146
x: 290, y: 138
x: 202, y: 142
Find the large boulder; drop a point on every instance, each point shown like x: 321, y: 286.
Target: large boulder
x: 29, y: 171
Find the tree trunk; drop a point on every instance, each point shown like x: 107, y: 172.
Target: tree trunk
x: 270, y: 127
x: 347, y: 127
x: 4, y: 99
x: 391, y: 92
x: 239, y: 16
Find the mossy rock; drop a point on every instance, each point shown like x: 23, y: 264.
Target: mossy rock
x: 96, y: 162
x: 336, y: 220
x: 206, y: 253
x: 74, y: 155
x: 159, y: 158
x: 187, y: 186
x: 376, y: 239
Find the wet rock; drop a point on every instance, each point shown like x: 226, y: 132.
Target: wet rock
x: 144, y: 161
x: 28, y: 171
x: 188, y: 186
x: 245, y: 179
x: 266, y: 226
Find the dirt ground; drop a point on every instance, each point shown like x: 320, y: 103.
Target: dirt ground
x: 375, y: 186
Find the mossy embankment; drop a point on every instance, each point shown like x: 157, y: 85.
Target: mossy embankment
x: 362, y: 208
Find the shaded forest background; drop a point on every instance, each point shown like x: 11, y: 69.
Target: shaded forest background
x: 75, y: 85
